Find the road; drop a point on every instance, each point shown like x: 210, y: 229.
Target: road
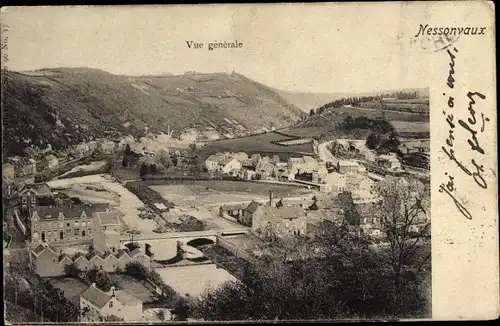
x: 385, y: 110
x: 324, y: 154
x: 177, y: 235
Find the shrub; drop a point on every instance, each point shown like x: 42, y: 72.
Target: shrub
x: 137, y: 271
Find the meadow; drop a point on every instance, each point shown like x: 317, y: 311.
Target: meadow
x: 263, y: 144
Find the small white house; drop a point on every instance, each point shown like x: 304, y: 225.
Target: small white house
x: 390, y: 162
x: 222, y: 163
x: 96, y: 304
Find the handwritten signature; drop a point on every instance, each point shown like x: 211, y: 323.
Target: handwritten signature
x: 470, y: 126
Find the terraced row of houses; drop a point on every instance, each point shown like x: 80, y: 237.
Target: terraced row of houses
x: 47, y: 261
x: 266, y: 168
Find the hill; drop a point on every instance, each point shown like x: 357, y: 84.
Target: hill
x: 67, y: 105
x: 307, y: 101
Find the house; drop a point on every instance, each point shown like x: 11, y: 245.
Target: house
x: 302, y: 203
x: 44, y: 260
x: 25, y: 167
x: 390, y: 162
x: 369, y: 155
x: 265, y: 169
x: 323, y: 202
x: 31, y: 195
x: 345, y: 167
x: 82, y: 148
x: 222, y: 163
x: 139, y: 256
x: 305, y: 164
x: 106, y: 232
x: 211, y: 135
x: 96, y: 304
x: 189, y: 135
x: 248, y: 212
x: 108, y: 146
x: 131, y: 159
x: 8, y: 187
x: 336, y: 181
x: 235, y: 210
x: 420, y: 146
x: 283, y: 221
x: 64, y: 222
x: 47, y: 163
x: 248, y: 174
x: 8, y: 171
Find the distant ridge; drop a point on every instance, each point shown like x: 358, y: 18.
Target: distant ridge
x: 63, y: 106
x: 310, y: 100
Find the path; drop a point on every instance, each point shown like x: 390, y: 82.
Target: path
x: 324, y: 153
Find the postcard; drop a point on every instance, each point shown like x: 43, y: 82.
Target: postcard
x: 249, y: 162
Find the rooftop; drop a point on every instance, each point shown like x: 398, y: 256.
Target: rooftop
x: 95, y: 296
x: 69, y: 211
x: 41, y: 189
x: 284, y: 212
x: 107, y: 218
x: 252, y: 207
x: 348, y: 163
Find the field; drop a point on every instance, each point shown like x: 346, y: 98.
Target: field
x: 71, y: 287
x: 261, y: 144
x: 193, y: 280
x: 411, y: 127
x: 222, y: 191
x: 306, y: 131
x: 127, y: 203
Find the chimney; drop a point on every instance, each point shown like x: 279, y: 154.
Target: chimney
x: 112, y: 291
x: 271, y: 198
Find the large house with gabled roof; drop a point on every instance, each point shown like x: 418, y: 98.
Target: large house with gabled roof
x: 64, y: 223
x: 96, y: 305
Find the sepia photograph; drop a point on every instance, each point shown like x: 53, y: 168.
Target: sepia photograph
x: 210, y: 163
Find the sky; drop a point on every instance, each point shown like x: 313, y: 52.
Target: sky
x: 303, y: 47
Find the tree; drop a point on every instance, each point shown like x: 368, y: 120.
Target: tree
x: 144, y: 169
x: 101, y: 279
x: 137, y: 271
x: 401, y: 211
x: 163, y: 157
x: 71, y: 270
x: 311, y: 113
x: 390, y: 143
x: 349, y: 211
x: 125, y: 161
x: 372, y: 141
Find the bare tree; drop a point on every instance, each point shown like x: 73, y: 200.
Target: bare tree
x: 405, y: 224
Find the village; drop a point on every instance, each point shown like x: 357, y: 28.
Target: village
x: 70, y: 232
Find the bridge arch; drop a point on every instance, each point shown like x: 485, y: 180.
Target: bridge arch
x: 200, y: 242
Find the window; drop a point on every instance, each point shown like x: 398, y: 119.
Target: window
x: 111, y: 304
x: 33, y: 200
x: 76, y: 232
x: 76, y: 224
x: 67, y: 224
x: 90, y: 231
x: 24, y: 200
